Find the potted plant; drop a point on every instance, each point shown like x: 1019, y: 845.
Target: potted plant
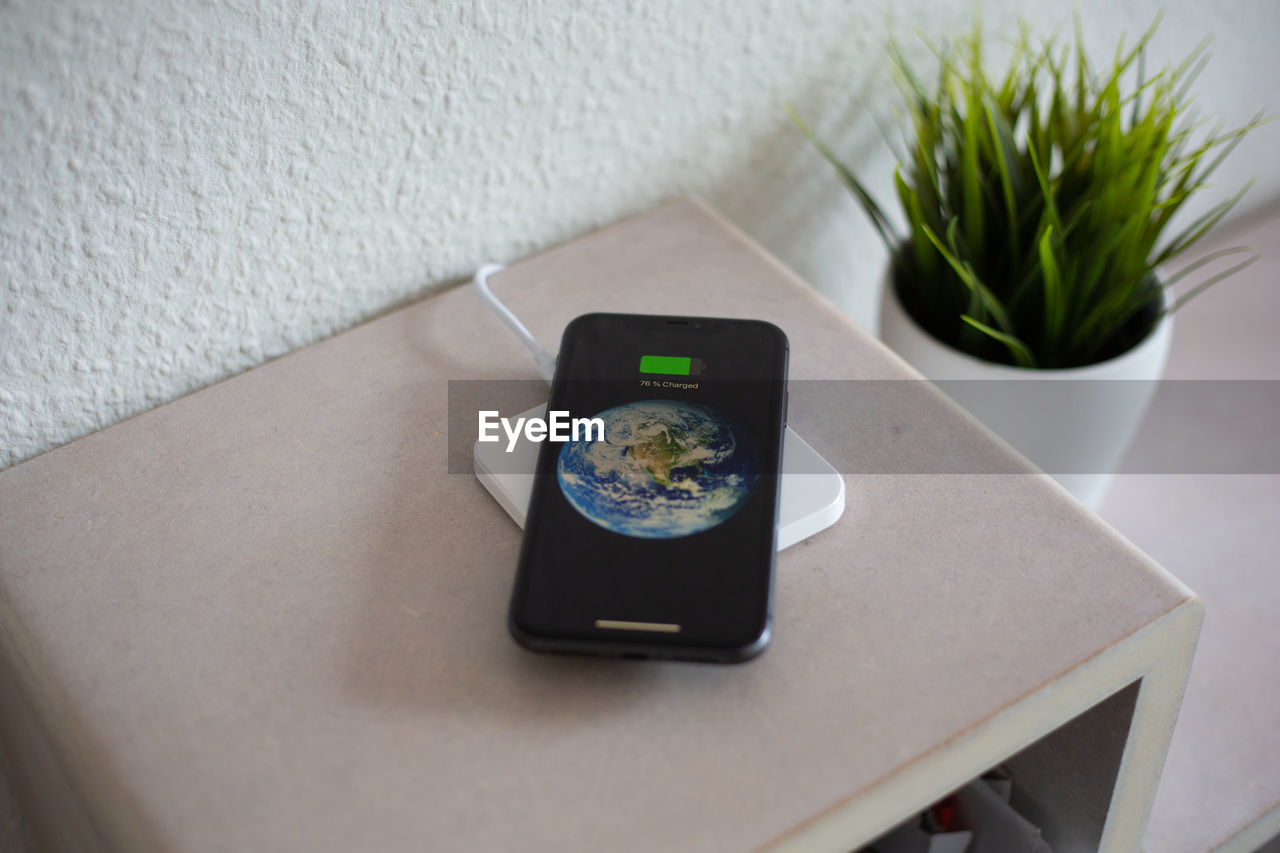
x: 1038, y: 207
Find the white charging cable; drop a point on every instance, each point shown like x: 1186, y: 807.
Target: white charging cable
x: 546, y: 360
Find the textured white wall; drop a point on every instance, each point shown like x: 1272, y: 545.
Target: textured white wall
x: 189, y: 189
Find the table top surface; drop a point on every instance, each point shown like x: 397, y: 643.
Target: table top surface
x: 266, y: 615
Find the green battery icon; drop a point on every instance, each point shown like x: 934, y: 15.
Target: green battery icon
x: 670, y: 365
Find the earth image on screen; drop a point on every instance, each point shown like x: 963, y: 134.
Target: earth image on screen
x: 664, y: 469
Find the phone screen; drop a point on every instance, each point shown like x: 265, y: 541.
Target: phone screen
x: 653, y: 533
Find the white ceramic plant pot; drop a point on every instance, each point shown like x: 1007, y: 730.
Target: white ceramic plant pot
x: 1072, y: 423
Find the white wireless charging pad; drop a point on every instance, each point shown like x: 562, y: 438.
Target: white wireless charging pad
x: 811, y: 501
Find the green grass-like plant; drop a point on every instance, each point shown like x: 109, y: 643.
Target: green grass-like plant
x: 1037, y: 203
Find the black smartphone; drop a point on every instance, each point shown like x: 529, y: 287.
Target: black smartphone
x: 652, y: 530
